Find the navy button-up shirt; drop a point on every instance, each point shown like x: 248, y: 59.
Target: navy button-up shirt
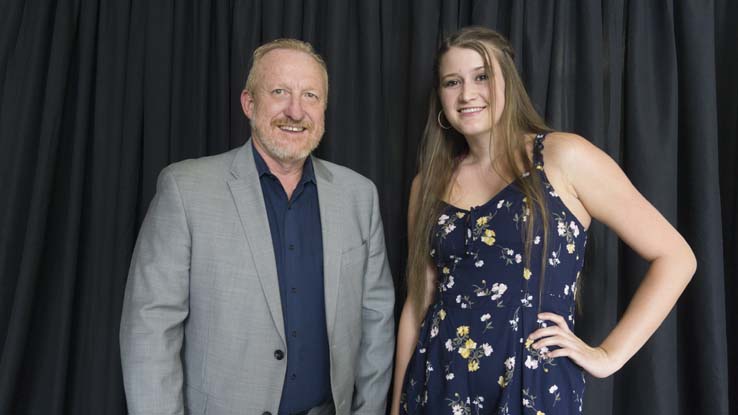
x: 298, y: 249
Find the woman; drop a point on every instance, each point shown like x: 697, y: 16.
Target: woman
x: 497, y: 236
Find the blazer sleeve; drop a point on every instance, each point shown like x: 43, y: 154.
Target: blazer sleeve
x: 155, y: 305
x: 374, y: 362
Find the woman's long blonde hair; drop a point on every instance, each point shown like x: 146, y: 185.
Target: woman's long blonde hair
x: 442, y: 150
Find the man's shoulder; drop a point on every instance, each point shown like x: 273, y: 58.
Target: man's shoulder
x: 343, y: 176
x: 215, y: 166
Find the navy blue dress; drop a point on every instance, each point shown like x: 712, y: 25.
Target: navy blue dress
x: 472, y: 355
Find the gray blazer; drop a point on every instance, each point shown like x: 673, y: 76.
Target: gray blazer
x: 202, y: 318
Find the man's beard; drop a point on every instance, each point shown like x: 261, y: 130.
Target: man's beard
x: 284, y: 148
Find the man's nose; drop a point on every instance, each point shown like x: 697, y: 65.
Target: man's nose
x: 294, y: 109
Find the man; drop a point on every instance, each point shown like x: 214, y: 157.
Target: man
x: 259, y: 283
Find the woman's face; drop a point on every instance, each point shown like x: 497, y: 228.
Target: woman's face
x: 465, y: 92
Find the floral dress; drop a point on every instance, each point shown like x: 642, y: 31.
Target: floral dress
x: 472, y: 355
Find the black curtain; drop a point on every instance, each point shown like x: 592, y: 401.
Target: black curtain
x: 97, y: 96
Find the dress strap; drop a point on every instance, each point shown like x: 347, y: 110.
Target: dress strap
x: 538, y: 151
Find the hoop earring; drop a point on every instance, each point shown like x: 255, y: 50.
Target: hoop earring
x: 439, y: 121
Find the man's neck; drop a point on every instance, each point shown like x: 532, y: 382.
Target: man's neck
x: 288, y: 172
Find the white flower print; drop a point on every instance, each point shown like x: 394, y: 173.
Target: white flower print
x: 487, y: 349
x: 479, y: 263
x: 527, y: 300
x: 442, y: 220
x: 448, y: 283
x: 561, y: 228
x: 518, y: 258
x: 536, y: 240
x: 449, y: 376
x: 449, y: 345
x: 498, y: 289
x: 566, y: 289
x: 574, y: 228
x: 500, y: 203
x: 510, y: 363
x: 531, y: 363
x: 464, y: 301
x: 486, y: 317
x: 495, y: 292
x: 478, y: 402
x: 509, y: 371
x: 554, y: 259
x: 515, y: 320
x: 434, y: 331
x: 553, y: 390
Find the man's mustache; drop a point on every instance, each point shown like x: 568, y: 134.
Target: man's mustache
x: 287, y: 122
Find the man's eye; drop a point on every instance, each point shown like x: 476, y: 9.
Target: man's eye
x: 278, y: 91
x: 311, y: 95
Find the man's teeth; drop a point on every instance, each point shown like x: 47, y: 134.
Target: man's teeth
x: 472, y: 109
x: 293, y: 129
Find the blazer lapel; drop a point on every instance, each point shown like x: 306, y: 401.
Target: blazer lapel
x: 329, y: 199
x: 246, y: 191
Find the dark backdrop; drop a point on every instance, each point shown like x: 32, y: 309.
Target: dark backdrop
x: 96, y: 96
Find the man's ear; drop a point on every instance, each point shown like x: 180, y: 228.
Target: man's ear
x: 247, y: 103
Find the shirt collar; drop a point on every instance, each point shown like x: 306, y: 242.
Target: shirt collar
x: 308, y: 174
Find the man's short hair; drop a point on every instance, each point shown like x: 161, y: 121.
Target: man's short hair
x: 289, y: 44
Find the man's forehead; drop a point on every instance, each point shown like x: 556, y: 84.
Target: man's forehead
x: 292, y: 67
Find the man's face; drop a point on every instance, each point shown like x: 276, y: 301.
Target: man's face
x: 287, y: 106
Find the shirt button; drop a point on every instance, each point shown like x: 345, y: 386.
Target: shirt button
x: 278, y: 354
x: 291, y: 247
x: 293, y: 376
x: 294, y: 290
x: 267, y: 413
x: 294, y: 333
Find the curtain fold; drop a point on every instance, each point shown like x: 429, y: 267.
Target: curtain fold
x: 97, y: 96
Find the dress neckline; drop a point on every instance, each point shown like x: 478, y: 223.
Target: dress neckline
x: 485, y: 204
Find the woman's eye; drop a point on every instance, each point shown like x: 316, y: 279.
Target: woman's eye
x: 450, y: 83
x: 482, y: 77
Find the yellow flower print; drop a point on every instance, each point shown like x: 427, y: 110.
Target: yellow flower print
x: 445, y: 270
x: 528, y: 342
x: 570, y: 248
x: 540, y: 413
x: 473, y: 365
x: 462, y: 331
x: 482, y: 221
x: 470, y: 344
x: 464, y: 352
x: 442, y: 314
x: 501, y: 381
x: 460, y: 214
x: 489, y: 237
x: 527, y: 273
